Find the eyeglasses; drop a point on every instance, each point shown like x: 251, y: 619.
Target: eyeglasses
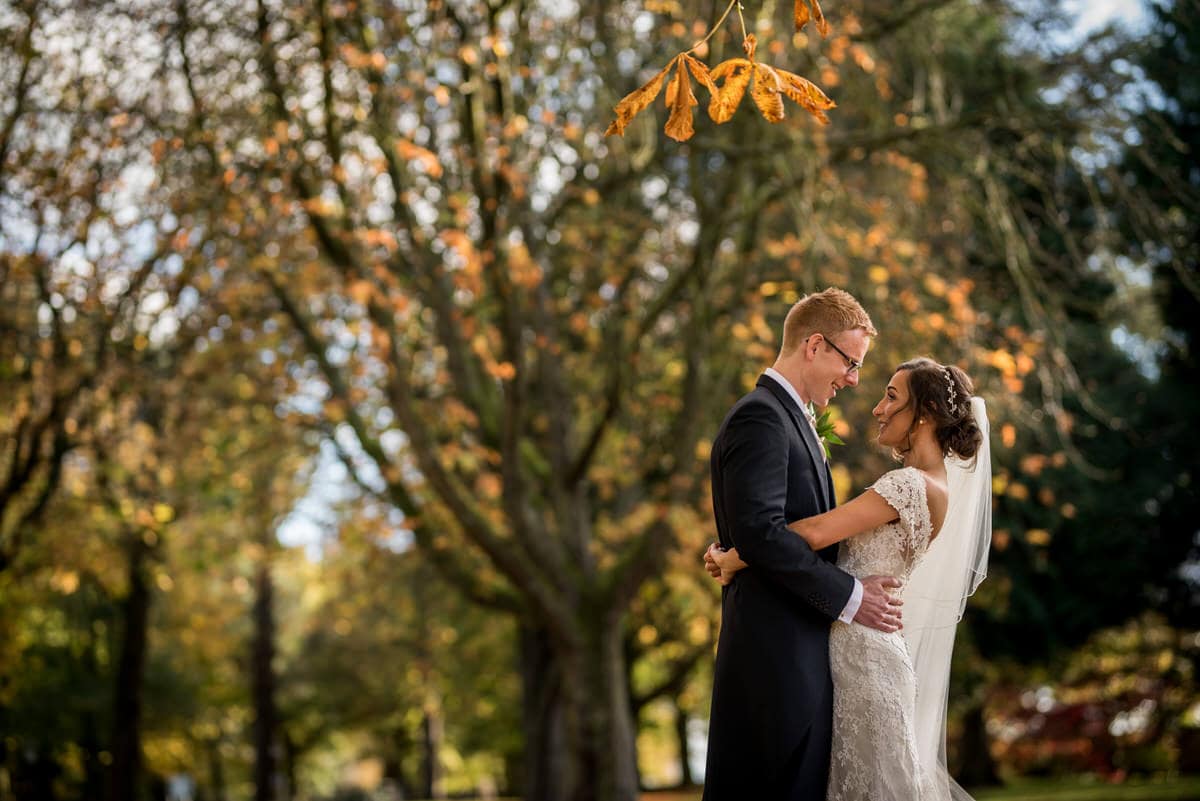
x: 852, y: 366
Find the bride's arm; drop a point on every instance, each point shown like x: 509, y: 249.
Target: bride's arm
x: 864, y: 513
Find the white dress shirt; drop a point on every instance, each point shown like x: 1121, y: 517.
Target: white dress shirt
x: 856, y: 596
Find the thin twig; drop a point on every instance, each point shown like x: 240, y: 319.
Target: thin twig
x: 721, y: 22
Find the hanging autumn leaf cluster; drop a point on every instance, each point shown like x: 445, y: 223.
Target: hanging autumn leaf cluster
x: 727, y: 83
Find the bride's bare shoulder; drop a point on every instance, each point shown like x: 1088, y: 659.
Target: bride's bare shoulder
x: 937, y: 498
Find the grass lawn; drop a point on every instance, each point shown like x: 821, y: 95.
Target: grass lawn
x: 1182, y: 789
x: 1179, y: 789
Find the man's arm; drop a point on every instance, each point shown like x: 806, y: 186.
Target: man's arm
x: 871, y: 604
x: 754, y: 469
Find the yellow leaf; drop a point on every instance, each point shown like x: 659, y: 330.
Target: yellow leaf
x: 503, y: 371
x: 426, y: 158
x: 637, y: 100
x: 700, y: 72
x: 806, y: 94
x: 1037, y: 536
x: 65, y: 581
x: 320, y: 206
x: 1008, y: 435
x: 766, y: 93
x: 749, y: 45
x: 680, y: 100
x: 801, y: 14
x: 489, y: 485
x: 163, y: 513
x: 360, y: 292
x: 725, y: 102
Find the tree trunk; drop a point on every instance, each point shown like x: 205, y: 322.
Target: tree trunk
x: 123, y: 778
x: 90, y: 745
x: 35, y: 775
x: 393, y: 764
x: 90, y: 742
x: 977, y: 769
x: 263, y: 678
x: 685, y: 768
x: 432, y: 734
x: 602, y: 736
x: 579, y: 730
x: 291, y: 759
x: 545, y: 773
x: 216, y: 770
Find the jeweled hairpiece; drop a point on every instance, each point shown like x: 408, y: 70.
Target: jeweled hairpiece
x: 951, y: 392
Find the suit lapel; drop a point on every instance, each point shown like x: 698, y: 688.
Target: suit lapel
x: 807, y: 435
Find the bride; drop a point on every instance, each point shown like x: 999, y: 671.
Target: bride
x: 928, y: 524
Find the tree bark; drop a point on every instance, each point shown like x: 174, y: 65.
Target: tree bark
x: 263, y: 679
x: 291, y: 758
x: 93, y: 770
x: 393, y: 765
x: 579, y: 729
x: 545, y: 772
x: 216, y: 770
x: 977, y: 768
x: 686, y: 779
x: 432, y: 734
x: 91, y: 741
x: 123, y: 778
x: 602, y: 735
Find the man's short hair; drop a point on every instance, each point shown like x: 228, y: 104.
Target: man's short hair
x: 829, y: 313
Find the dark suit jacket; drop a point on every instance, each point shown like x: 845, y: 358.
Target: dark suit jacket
x: 771, y: 720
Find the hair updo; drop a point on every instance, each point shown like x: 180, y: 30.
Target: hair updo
x: 942, y: 394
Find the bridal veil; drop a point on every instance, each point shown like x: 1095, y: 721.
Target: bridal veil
x: 937, y: 593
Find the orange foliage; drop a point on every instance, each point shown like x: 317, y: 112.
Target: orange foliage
x: 806, y: 10
x: 768, y: 85
x: 426, y: 158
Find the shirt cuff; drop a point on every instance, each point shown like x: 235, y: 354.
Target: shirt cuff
x: 851, y: 609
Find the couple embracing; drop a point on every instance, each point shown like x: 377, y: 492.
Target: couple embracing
x: 823, y: 688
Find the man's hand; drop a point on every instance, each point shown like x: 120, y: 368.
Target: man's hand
x: 710, y: 562
x: 879, y: 610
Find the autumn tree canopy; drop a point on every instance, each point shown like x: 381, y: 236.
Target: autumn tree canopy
x: 236, y: 237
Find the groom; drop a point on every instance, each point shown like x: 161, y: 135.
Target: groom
x: 771, y: 721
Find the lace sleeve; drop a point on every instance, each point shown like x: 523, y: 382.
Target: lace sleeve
x: 904, y: 491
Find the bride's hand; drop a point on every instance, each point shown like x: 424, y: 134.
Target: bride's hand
x: 721, y: 564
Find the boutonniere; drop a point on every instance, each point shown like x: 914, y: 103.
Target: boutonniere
x: 825, y: 432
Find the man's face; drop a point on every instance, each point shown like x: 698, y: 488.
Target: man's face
x: 835, y: 364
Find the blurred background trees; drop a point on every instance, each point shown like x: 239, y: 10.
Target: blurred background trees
x: 357, y: 391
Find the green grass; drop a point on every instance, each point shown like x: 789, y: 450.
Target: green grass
x: 1180, y: 789
x: 1070, y: 789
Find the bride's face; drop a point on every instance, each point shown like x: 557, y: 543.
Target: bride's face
x: 894, y: 412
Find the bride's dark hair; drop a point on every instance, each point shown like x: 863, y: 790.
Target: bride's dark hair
x: 942, y: 395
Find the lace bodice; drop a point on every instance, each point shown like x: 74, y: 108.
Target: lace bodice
x: 894, y: 548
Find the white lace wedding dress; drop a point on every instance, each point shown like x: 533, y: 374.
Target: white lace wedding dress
x: 875, y: 752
